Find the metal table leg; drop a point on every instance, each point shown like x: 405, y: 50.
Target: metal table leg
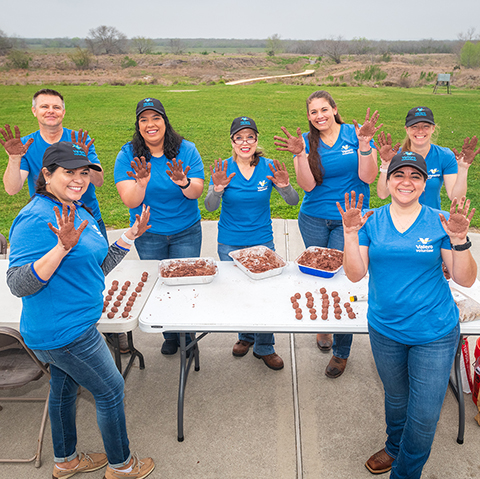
x: 457, y: 390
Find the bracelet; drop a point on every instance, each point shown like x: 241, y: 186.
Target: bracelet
x: 366, y: 153
x: 187, y: 185
x: 127, y: 240
x: 383, y: 170
x: 461, y: 247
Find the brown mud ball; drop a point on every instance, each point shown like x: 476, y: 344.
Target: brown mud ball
x: 145, y: 273
x: 298, y: 295
x: 127, y: 283
x: 324, y: 296
x: 104, y: 309
x: 124, y: 288
x: 106, y: 303
x: 312, y: 311
x: 130, y: 303
x: 144, y: 278
x: 349, y: 309
x: 114, y: 287
x: 337, y: 310
x: 114, y: 309
x: 308, y: 294
x: 293, y: 299
x: 111, y: 292
x: 334, y: 293
x: 324, y: 316
x: 310, y: 304
x: 110, y: 315
x: 338, y: 316
x: 114, y: 282
x: 323, y: 290
x: 120, y: 297
x: 127, y: 309
x: 295, y: 305
x: 124, y: 314
x: 108, y: 298
x: 132, y: 298
x: 336, y: 299
x: 138, y: 289
x: 141, y: 284
x: 298, y: 310
x: 117, y: 303
x: 122, y: 293
x: 134, y: 294
x: 352, y: 315
x: 346, y: 305
x: 313, y: 316
x: 299, y: 316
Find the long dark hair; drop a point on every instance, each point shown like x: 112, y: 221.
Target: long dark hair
x: 171, y: 143
x: 314, y: 160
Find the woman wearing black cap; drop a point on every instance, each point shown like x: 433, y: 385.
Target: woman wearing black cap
x: 60, y: 274
x: 412, y: 317
x: 160, y: 169
x: 243, y: 184
x: 443, y: 165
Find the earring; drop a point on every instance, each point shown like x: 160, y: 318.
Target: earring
x: 46, y: 182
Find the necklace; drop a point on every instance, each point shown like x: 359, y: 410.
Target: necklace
x: 402, y: 224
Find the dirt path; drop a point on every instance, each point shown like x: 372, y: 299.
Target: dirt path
x: 250, y: 80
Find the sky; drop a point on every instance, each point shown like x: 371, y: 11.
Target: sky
x: 257, y: 19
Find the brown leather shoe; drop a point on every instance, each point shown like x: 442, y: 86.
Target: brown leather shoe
x: 273, y: 361
x: 380, y: 462
x: 324, y: 342
x: 335, y: 367
x: 240, y: 348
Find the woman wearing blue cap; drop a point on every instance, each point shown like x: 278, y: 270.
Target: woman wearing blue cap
x: 443, y: 165
x: 412, y: 318
x: 243, y: 184
x: 160, y: 169
x: 59, y: 271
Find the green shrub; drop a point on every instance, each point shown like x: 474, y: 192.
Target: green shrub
x: 18, y: 59
x: 128, y: 62
x: 470, y: 55
x: 372, y: 72
x: 81, y: 58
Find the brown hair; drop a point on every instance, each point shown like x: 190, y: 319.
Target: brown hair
x: 314, y: 160
x: 47, y: 91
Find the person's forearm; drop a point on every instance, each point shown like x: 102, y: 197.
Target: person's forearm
x: 116, y: 252
x: 96, y: 177
x: 213, y: 198
x: 289, y: 195
x: 12, y: 178
x: 459, y: 189
x: 464, y: 268
x: 305, y: 178
x: 131, y: 193
x: 22, y: 281
x: 48, y: 263
x: 382, y: 188
x: 367, y: 164
x: 353, y: 264
x: 194, y: 189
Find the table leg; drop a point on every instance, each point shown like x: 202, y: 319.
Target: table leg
x: 181, y: 387
x: 135, y: 353
x: 458, y: 392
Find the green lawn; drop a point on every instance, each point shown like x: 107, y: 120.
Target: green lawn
x: 204, y: 117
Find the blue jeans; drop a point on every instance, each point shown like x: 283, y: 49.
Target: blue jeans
x: 263, y: 342
x: 415, y: 380
x: 186, y: 244
x: 327, y: 234
x: 87, y: 362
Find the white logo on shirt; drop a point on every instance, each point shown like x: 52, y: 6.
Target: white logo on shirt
x: 424, y: 247
x: 262, y: 185
x: 347, y: 150
x: 434, y: 173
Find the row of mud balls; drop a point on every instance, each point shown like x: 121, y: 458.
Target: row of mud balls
x: 325, y: 304
x: 121, y: 296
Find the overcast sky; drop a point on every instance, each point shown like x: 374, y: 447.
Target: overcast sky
x: 291, y: 19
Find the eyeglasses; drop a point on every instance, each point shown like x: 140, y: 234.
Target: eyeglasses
x: 250, y: 140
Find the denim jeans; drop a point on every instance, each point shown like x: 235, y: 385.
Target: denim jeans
x: 327, y: 234
x: 186, y: 244
x: 263, y: 342
x: 87, y: 362
x: 415, y: 380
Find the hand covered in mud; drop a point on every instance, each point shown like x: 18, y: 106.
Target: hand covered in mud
x: 13, y: 144
x: 468, y: 153
x: 176, y: 173
x: 141, y: 223
x: 368, y: 129
x: 82, y: 140
x: 141, y: 170
x: 280, y: 174
x: 384, y: 147
x: 67, y: 234
x: 352, y: 216
x: 219, y: 175
x: 293, y: 144
x: 457, y: 225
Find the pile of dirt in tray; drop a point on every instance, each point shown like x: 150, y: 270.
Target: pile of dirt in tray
x: 168, y: 69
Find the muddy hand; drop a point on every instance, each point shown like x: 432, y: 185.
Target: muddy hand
x: 219, y: 174
x: 280, y: 176
x: 352, y: 216
x: 176, y: 172
x: 82, y: 140
x: 293, y: 144
x: 13, y: 144
x: 141, y: 168
x: 384, y: 147
x: 67, y: 234
x: 468, y: 153
x: 459, y: 220
x: 369, y: 128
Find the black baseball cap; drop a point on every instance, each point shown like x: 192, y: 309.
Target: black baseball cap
x: 149, y: 104
x: 408, y: 158
x: 418, y: 114
x: 68, y: 155
x: 241, y: 123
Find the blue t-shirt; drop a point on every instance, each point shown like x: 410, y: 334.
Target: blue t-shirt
x: 33, y: 159
x: 170, y: 211
x: 245, y: 218
x: 409, y: 299
x: 340, y: 176
x: 440, y: 161
x: 72, y: 300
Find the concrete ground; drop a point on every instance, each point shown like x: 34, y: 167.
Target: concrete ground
x: 243, y: 420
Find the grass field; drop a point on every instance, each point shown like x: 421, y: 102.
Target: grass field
x: 204, y: 114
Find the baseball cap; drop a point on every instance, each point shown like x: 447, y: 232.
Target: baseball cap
x: 241, y: 123
x: 407, y: 158
x: 149, y: 104
x: 68, y: 155
x: 418, y: 114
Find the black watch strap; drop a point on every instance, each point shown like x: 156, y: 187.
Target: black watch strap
x: 462, y: 247
x: 187, y: 185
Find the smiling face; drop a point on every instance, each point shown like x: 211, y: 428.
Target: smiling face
x: 49, y: 110
x: 245, y: 143
x: 152, y: 128
x: 321, y: 114
x: 67, y: 185
x: 420, y: 134
x: 406, y: 185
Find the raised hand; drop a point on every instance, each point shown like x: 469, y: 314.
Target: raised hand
x: 280, y: 174
x: 369, y: 128
x: 458, y: 223
x: 352, y: 216
x: 384, y: 147
x: 13, y: 144
x: 176, y: 173
x: 293, y: 144
x: 219, y: 174
x: 141, y: 222
x: 82, y: 138
x: 141, y: 170
x: 67, y: 234
x: 468, y: 153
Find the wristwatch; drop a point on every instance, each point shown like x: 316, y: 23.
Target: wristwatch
x: 461, y: 247
x: 187, y: 185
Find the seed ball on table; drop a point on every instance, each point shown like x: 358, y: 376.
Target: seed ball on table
x: 324, y: 316
x: 313, y: 316
x: 114, y: 282
x: 127, y: 309
x: 293, y: 299
x: 298, y: 310
x: 130, y: 303
x: 119, y: 297
x: 124, y: 288
x: 312, y: 311
x: 134, y: 294
x: 132, y: 299
x: 104, y: 309
x: 127, y: 283
x: 141, y: 284
x: 352, y: 315
x: 334, y: 293
x: 115, y: 287
x: 295, y: 305
x: 108, y: 298
x: 144, y: 278
x: 298, y: 295
x: 299, y: 316
x: 346, y: 305
x: 122, y: 293
x: 336, y: 299
x: 124, y: 314
x: 349, y: 309
x: 117, y: 303
x: 110, y: 315
x: 324, y: 296
x: 114, y: 309
x: 111, y: 292
x: 308, y: 294
x: 138, y: 289
x: 338, y: 316
x: 323, y: 290
x: 106, y: 303
x: 145, y: 273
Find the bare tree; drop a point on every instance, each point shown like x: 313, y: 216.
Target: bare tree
x: 105, y: 40
x: 6, y: 43
x: 334, y: 48
x: 468, y: 36
x: 274, y: 45
x: 177, y: 46
x: 142, y: 44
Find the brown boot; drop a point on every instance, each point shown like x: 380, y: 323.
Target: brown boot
x: 273, y: 361
x: 335, y: 367
x: 380, y: 462
x: 240, y: 348
x: 324, y: 342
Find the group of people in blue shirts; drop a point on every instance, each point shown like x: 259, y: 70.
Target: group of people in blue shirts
x: 413, y: 320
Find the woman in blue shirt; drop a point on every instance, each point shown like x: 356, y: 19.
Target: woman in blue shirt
x: 243, y: 184
x: 412, y: 317
x: 152, y: 170
x: 60, y: 274
x: 332, y: 159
